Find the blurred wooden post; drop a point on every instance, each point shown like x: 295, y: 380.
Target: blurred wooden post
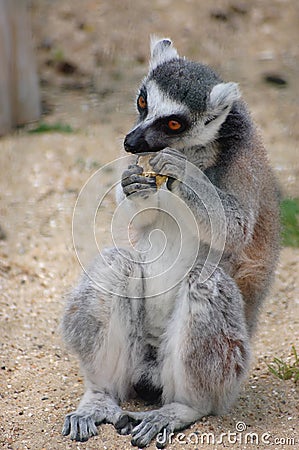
x: 19, y: 90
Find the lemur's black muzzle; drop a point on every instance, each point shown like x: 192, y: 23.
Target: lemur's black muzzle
x: 135, y: 142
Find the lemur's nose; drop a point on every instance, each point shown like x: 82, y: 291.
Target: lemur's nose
x: 135, y: 142
x: 127, y: 145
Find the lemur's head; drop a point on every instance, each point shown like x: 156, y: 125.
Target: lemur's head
x: 180, y: 103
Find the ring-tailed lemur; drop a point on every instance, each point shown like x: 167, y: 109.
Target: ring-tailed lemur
x: 188, y: 345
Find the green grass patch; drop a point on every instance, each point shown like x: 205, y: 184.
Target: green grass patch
x: 43, y: 127
x: 289, y: 209
x: 286, y: 371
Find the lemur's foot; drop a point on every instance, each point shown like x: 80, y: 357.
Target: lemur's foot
x: 80, y: 427
x: 145, y: 426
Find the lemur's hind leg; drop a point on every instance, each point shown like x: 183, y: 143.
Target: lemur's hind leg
x: 205, y: 357
x: 101, y: 325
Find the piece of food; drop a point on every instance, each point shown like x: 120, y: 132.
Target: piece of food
x: 143, y: 161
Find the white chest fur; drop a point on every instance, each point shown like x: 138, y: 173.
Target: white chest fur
x: 168, y: 249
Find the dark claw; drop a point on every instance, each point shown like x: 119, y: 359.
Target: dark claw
x: 81, y: 439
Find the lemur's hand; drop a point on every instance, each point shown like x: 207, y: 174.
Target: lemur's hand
x: 134, y: 183
x: 169, y: 162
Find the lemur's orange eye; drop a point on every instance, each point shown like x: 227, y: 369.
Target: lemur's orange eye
x: 141, y: 102
x: 174, y: 125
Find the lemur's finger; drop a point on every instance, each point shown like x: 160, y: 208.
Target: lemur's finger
x: 66, y: 426
x: 170, y: 167
x: 166, y: 154
x: 142, y: 189
x: 134, y: 178
x: 133, y: 169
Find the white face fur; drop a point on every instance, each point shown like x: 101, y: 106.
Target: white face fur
x: 159, y: 104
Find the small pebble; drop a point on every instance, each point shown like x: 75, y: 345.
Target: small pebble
x: 275, y: 79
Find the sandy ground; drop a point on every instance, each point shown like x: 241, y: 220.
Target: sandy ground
x: 106, y: 46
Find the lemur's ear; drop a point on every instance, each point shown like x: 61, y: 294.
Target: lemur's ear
x: 161, y: 51
x: 223, y: 95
